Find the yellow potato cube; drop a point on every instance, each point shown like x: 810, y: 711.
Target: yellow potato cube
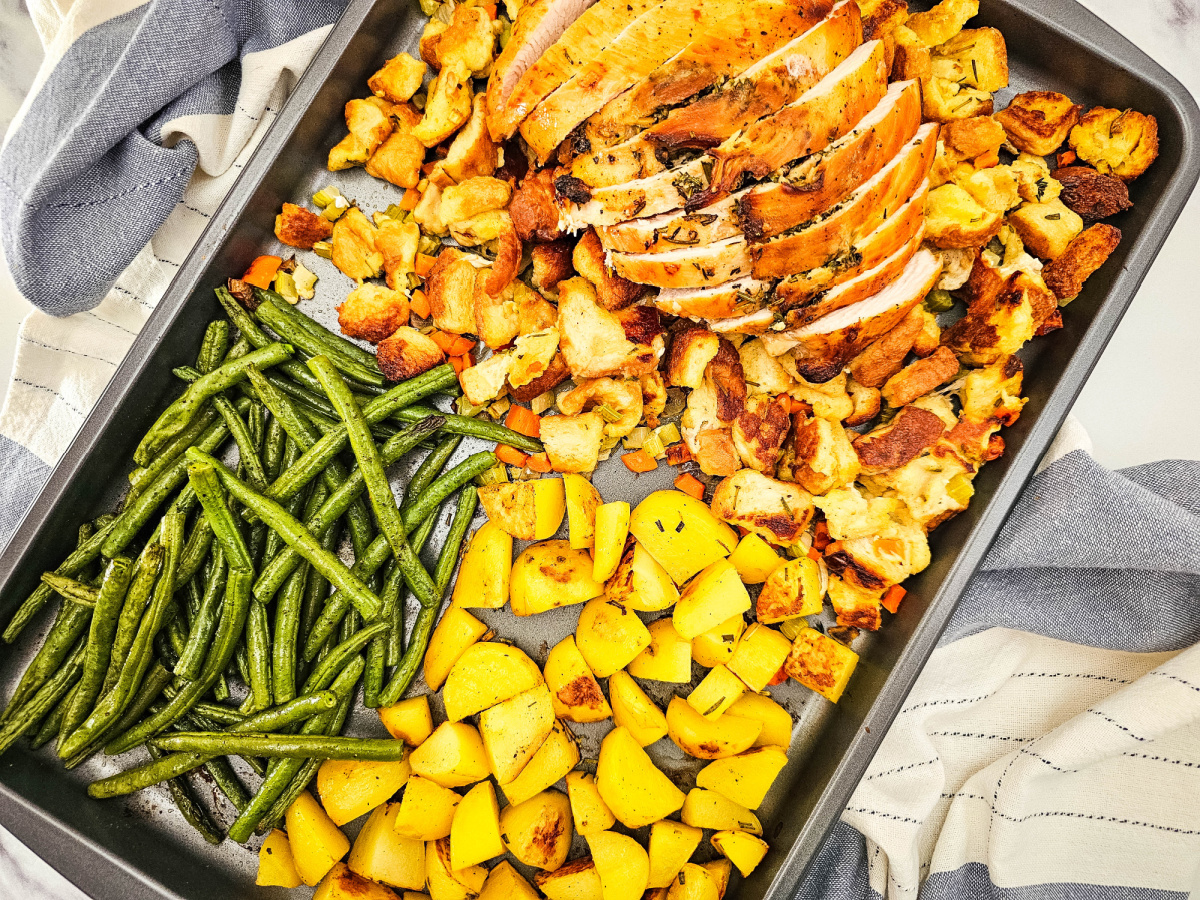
x: 483, y: 575
x: 744, y: 778
x: 716, y: 693
x: 634, y: 710
x: 743, y: 850
x: 446, y: 883
x: 696, y: 883
x: 754, y: 559
x: 505, y: 883
x: 453, y: 756
x: 718, y: 870
x: 622, y: 863
x: 640, y: 583
x: 456, y: 631
x: 409, y: 720
x: 776, y: 721
x: 759, y: 656
x: 486, y: 674
x: 671, y: 845
x: 528, y: 510
x: 668, y: 657
x: 549, y: 575
x: 708, y: 809
x: 475, y: 830
x: 681, y: 533
x: 715, y: 647
x: 793, y: 589
x: 576, y: 692
x: 557, y: 756
x: 352, y: 788
x: 342, y: 884
x: 709, y: 738
x: 588, y: 809
x: 276, y: 866
x: 538, y: 831
x: 709, y: 599
x: 632, y: 786
x: 577, y: 880
x: 381, y: 854
x: 316, y: 842
x: 821, y: 664
x: 612, y: 527
x: 514, y: 730
x: 426, y: 810
x: 582, y: 502
x: 609, y: 636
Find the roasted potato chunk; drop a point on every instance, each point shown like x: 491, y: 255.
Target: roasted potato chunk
x: 825, y: 458
x: 400, y: 78
x: 955, y: 219
x: 1046, y: 228
x: 398, y: 159
x: 447, y: 106
x: 406, y: 353
x: 300, y: 227
x: 942, y: 22
x: 469, y: 198
x: 397, y: 241
x: 572, y: 442
x: 369, y: 123
x: 774, y: 510
x: 612, y: 291
x: 533, y: 210
x: 354, y: 250
x: 1000, y: 324
x: 759, y: 432
x: 450, y: 287
x: 371, y: 312
x: 1084, y: 255
x: 1092, y: 195
x: 1117, y: 143
x: 920, y: 377
x: 1038, y: 122
x: 976, y: 58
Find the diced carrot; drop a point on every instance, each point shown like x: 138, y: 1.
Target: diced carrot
x: 461, y: 346
x: 678, y: 454
x: 419, y: 304
x: 491, y: 10
x: 511, y: 455
x: 539, y: 462
x: 524, y: 421
x: 691, y: 485
x: 410, y: 199
x: 639, y: 461
x: 1066, y: 158
x: 444, y: 341
x: 425, y: 263
x: 262, y: 271
x: 821, y: 536
x: 891, y: 600
x: 813, y: 553
x: 461, y: 363
x: 988, y: 160
x: 779, y: 677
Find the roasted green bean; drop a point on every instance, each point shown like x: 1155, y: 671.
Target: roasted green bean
x: 465, y: 425
x: 279, y: 746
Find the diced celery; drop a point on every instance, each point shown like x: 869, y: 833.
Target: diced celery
x: 324, y: 249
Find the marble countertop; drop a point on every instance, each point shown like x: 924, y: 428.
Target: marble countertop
x: 1131, y: 420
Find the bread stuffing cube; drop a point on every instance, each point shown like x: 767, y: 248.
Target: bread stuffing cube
x: 472, y: 151
x: 893, y: 444
x: 992, y: 394
x: 1034, y: 181
x: 573, y: 442
x: 855, y: 607
x: 774, y: 510
x: 450, y: 288
x: 1092, y: 195
x: 882, y: 559
x: 354, y: 250
x: 955, y: 219
x: 556, y: 373
x: 763, y: 373
x: 935, y: 486
x: 612, y: 291
x: 300, y: 227
x: 484, y: 382
x: 692, y: 349
x: 1084, y: 255
x: 976, y: 58
x: 829, y: 399
x: 821, y: 664
x: 400, y: 78
x: 921, y: 377
x: 533, y: 209
x: 867, y: 401
x: 759, y: 432
x: 551, y: 264
x: 942, y: 22
x: 431, y: 36
x: 494, y: 227
x: 427, y: 212
x: 370, y: 123
x: 447, y: 107
x: 849, y: 514
x: 532, y: 355
x: 994, y: 189
x: 825, y: 458
x: 398, y: 242
x: 1038, y: 122
x: 999, y: 325
x: 496, y: 318
x: 1117, y: 143
x: 372, y: 312
x: 1046, y: 228
x: 398, y: 159
x: 474, y: 196
x: 469, y: 40
x: 406, y: 353
x: 593, y: 340
x: 943, y: 100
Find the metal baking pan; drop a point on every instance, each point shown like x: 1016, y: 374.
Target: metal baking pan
x: 140, y: 848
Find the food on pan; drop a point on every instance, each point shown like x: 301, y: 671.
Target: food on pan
x: 789, y: 248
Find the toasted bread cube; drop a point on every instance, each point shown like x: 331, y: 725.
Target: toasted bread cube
x: 573, y: 442
x: 825, y: 458
x: 371, y: 312
x: 369, y: 123
x: 474, y: 196
x: 450, y: 287
x: 993, y: 393
x: 398, y: 242
x: 1084, y: 255
x: 1092, y: 195
x: 920, y: 377
x: 354, y: 250
x: 942, y: 22
x: 447, y: 107
x: 472, y: 151
x: 1116, y: 143
x: 407, y: 352
x: 483, y: 383
x: 976, y: 58
x: 431, y: 36
x: 612, y: 291
x: 1038, y: 122
x: 469, y: 40
x: 821, y: 664
x: 300, y: 227
x: 995, y: 189
x: 856, y: 607
x: 496, y: 316
x: 1034, y: 182
x: 400, y: 78
x: 532, y: 355
x: 953, y: 218
x: 1046, y: 228
x: 944, y: 100
x: 427, y: 211
x: 398, y: 159
x: 551, y: 264
x: 1001, y: 325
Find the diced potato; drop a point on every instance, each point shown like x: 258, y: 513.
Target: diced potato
x: 716, y: 692
x: 483, y: 575
x: 668, y: 656
x: 486, y: 674
x: 582, y: 502
x: 446, y: 883
x: 681, y: 533
x: 744, y: 778
x: 538, y: 831
x: 719, y: 870
x: 754, y: 559
x: 409, y: 720
x: 622, y: 863
x: 671, y: 845
x: 612, y: 527
x: 381, y: 854
x: 456, y: 631
x: 505, y: 883
x: 475, y: 830
x: 609, y: 636
x: 557, y: 756
x: 743, y: 850
x: 709, y: 738
x: 514, y: 730
x: 588, y: 809
x: 759, y: 656
x: 576, y: 693
x: 776, y: 721
x: 342, y: 884
x: 820, y: 663
x: 426, y: 810
x: 640, y: 583
x: 632, y: 786
x: 276, y: 866
x: 710, y: 599
x: 528, y: 510
x: 352, y: 788
x: 316, y: 842
x: 715, y: 646
x: 793, y: 589
x: 696, y: 884
x: 634, y: 710
x: 549, y: 575
x: 577, y: 880
x: 453, y: 756
x: 708, y: 809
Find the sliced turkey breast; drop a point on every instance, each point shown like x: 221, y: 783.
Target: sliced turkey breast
x: 686, y: 267
x: 766, y: 86
x: 539, y: 24
x: 807, y: 190
x: 719, y: 301
x: 644, y: 45
x: 583, y: 39
x: 581, y: 206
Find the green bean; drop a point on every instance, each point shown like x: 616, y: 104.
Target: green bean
x: 464, y: 512
x: 204, y: 481
x: 191, y: 811
x: 70, y: 623
x: 70, y: 589
x: 227, y: 781
x: 101, y: 635
x: 177, y: 416
x: 275, y: 447
x: 466, y: 471
x: 277, y: 746
x: 340, y: 345
x: 377, y: 650
x: 156, y: 680
x: 295, y: 505
x: 316, y: 593
x: 258, y: 650
x: 215, y: 712
x: 296, y: 536
x: 465, y: 425
x: 44, y: 699
x: 280, y: 775
x: 341, y: 654
x: 196, y: 549
x: 191, y: 659
x: 338, y: 604
x: 145, y: 571
x: 214, y: 346
x: 288, y: 607
x: 145, y: 475
x: 319, y: 343
x: 241, y: 431
x: 52, y: 724
x: 268, y: 720
x: 249, y: 330
x: 431, y: 466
